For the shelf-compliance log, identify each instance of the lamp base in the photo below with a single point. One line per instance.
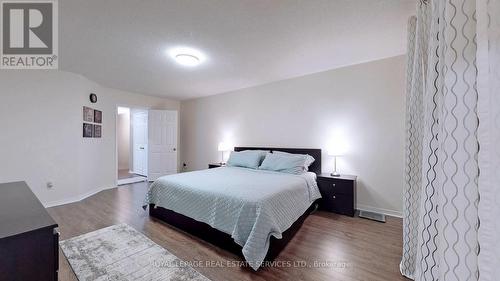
(335, 174)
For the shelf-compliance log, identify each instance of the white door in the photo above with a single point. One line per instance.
(139, 120)
(162, 131)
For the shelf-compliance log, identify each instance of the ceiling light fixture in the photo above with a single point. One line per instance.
(187, 56)
(187, 59)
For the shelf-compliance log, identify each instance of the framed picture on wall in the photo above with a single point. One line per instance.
(88, 130)
(97, 131)
(88, 114)
(97, 116)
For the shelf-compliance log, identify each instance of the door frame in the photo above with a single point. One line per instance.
(116, 133)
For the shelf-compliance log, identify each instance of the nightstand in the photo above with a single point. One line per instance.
(215, 165)
(339, 193)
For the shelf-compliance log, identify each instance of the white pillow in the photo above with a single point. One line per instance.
(307, 162)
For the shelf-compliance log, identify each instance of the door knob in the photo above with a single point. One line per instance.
(141, 147)
(175, 149)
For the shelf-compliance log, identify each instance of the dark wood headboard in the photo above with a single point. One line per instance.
(314, 152)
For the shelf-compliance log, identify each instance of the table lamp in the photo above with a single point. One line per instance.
(223, 147)
(335, 153)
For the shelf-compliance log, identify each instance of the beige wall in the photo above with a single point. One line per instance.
(41, 137)
(362, 105)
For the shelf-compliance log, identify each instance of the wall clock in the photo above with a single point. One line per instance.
(93, 98)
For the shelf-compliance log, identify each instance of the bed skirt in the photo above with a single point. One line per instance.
(224, 240)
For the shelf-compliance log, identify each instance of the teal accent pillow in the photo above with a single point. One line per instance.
(247, 158)
(308, 158)
(291, 164)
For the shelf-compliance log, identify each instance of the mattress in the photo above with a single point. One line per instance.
(250, 205)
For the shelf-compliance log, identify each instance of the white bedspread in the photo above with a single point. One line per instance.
(250, 205)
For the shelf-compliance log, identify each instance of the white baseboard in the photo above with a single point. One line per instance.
(75, 198)
(386, 212)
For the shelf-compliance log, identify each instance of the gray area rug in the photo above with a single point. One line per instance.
(120, 252)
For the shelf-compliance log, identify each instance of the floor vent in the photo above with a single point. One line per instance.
(372, 216)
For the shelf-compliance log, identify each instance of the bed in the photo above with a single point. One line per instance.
(252, 213)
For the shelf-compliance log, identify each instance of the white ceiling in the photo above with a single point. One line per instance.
(122, 43)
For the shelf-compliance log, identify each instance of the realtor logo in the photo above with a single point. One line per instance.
(29, 35)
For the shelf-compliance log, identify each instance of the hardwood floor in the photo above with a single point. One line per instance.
(333, 247)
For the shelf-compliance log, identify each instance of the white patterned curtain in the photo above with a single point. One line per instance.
(488, 60)
(452, 191)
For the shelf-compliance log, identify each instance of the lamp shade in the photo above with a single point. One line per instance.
(333, 152)
(337, 148)
(223, 146)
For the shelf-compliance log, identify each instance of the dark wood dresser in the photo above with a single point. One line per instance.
(339, 194)
(29, 240)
